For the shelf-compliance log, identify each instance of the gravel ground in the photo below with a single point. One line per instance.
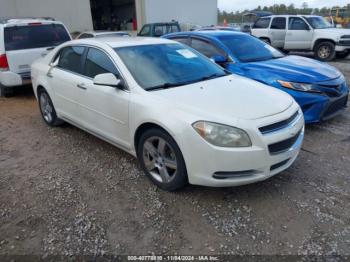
(65, 192)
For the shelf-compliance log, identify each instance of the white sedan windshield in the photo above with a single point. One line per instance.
(167, 65)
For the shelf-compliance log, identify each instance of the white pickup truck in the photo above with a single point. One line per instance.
(304, 33)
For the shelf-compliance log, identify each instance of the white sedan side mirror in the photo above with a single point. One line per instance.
(108, 79)
(54, 63)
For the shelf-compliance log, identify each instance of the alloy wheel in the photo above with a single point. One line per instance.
(159, 159)
(46, 108)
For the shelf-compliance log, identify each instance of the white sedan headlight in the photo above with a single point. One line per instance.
(222, 135)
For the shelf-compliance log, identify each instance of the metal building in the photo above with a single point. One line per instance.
(81, 15)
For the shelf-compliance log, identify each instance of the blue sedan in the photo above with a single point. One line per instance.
(320, 89)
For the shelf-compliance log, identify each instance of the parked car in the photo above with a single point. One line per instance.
(304, 33)
(246, 28)
(93, 34)
(320, 89)
(23, 40)
(159, 29)
(235, 26)
(250, 17)
(184, 117)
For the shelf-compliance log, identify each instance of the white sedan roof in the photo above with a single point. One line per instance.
(115, 42)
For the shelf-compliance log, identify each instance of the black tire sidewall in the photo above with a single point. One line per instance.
(343, 54)
(54, 115)
(331, 46)
(266, 40)
(5, 91)
(286, 52)
(180, 179)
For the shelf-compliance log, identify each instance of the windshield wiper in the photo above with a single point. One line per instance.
(278, 57)
(259, 59)
(164, 86)
(205, 78)
(227, 72)
(171, 85)
(211, 77)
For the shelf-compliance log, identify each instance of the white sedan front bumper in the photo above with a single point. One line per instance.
(208, 165)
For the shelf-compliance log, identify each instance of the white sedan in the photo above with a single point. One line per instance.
(99, 34)
(182, 116)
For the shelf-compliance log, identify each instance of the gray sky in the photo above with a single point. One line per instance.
(239, 5)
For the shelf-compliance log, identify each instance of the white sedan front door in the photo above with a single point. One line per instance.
(104, 110)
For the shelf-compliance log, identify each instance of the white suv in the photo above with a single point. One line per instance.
(304, 33)
(23, 40)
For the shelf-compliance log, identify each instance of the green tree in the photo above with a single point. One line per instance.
(283, 9)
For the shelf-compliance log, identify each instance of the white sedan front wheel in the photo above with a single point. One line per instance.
(162, 160)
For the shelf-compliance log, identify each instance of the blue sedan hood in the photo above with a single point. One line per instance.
(293, 68)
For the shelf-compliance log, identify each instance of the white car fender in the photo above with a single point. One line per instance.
(328, 35)
(170, 124)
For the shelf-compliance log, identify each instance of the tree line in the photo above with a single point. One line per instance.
(236, 17)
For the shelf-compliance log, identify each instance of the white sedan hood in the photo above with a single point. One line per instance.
(231, 96)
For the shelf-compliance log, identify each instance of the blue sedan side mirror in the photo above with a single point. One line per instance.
(219, 59)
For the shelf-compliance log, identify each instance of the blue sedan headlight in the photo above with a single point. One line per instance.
(298, 86)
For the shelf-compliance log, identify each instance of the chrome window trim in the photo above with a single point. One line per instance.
(127, 89)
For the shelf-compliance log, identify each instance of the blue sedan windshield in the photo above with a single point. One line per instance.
(249, 49)
(167, 65)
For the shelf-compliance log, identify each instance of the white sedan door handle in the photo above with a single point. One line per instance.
(81, 86)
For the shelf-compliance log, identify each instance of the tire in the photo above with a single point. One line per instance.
(47, 109)
(286, 52)
(6, 91)
(161, 160)
(266, 40)
(325, 51)
(343, 54)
